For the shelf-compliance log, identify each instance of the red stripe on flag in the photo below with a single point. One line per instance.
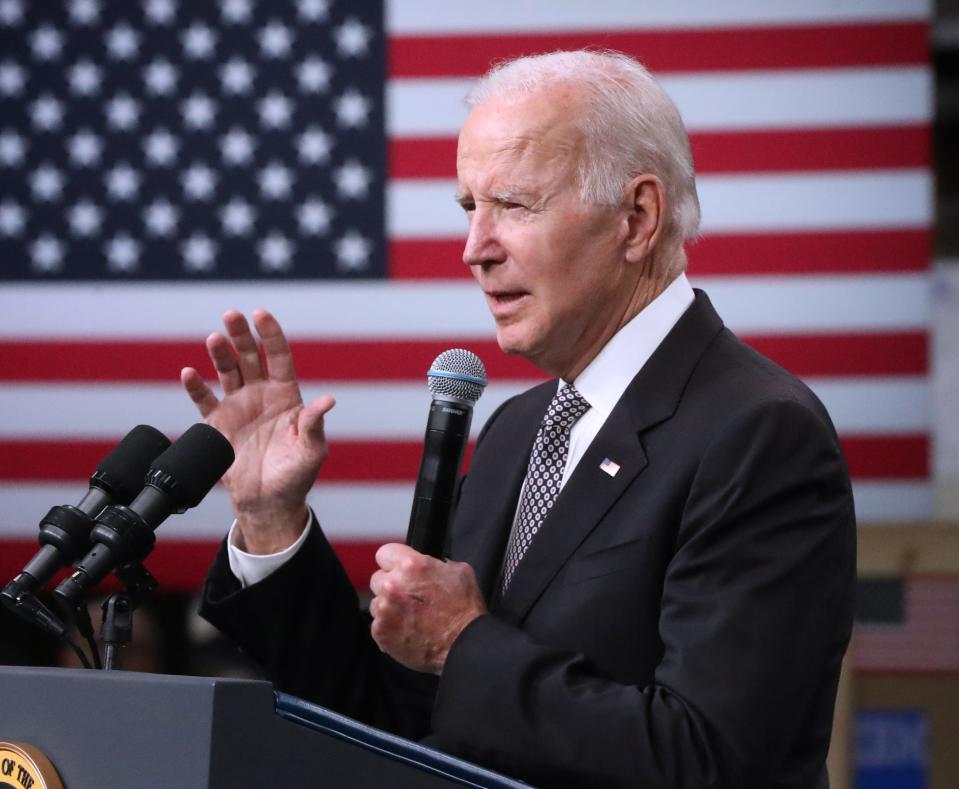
(879, 456)
(889, 353)
(678, 50)
(716, 254)
(728, 152)
(904, 353)
(887, 457)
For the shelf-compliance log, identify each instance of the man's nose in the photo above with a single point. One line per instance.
(482, 243)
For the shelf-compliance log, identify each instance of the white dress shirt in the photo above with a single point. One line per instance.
(602, 383)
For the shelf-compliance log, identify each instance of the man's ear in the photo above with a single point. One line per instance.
(646, 212)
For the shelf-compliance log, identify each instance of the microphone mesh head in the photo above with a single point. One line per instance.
(457, 374)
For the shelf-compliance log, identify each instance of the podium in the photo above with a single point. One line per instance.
(122, 729)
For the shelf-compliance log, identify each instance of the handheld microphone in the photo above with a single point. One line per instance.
(65, 530)
(456, 378)
(177, 480)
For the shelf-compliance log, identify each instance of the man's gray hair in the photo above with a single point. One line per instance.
(631, 125)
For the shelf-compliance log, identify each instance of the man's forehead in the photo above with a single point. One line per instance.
(510, 132)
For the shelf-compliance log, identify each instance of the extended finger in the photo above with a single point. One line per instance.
(310, 421)
(279, 358)
(199, 392)
(247, 354)
(224, 362)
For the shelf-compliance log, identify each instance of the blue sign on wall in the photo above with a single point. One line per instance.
(892, 749)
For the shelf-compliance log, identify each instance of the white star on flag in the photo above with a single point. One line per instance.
(275, 110)
(123, 253)
(85, 218)
(159, 12)
(236, 147)
(12, 78)
(12, 218)
(46, 254)
(199, 252)
(276, 40)
(352, 251)
(314, 75)
(123, 182)
(84, 78)
(84, 148)
(160, 77)
(352, 38)
(161, 218)
(123, 112)
(160, 147)
(352, 179)
(237, 217)
(199, 42)
(46, 183)
(237, 76)
(314, 217)
(275, 181)
(84, 12)
(12, 148)
(198, 181)
(123, 42)
(46, 43)
(352, 109)
(275, 252)
(46, 113)
(314, 146)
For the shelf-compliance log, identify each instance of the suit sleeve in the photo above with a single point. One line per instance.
(303, 624)
(755, 616)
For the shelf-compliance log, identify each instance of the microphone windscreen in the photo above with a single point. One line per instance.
(194, 463)
(457, 374)
(121, 472)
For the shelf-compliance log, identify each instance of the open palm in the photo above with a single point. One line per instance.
(279, 441)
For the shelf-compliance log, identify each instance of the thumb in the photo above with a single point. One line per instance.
(310, 421)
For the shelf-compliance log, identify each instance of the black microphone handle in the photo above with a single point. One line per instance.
(447, 431)
(65, 534)
(122, 535)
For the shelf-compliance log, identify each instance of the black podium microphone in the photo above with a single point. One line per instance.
(177, 480)
(456, 379)
(65, 530)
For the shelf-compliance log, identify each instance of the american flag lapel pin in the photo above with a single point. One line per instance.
(611, 467)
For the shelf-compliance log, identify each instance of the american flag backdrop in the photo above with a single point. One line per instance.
(164, 160)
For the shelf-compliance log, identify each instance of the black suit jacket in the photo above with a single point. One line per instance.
(678, 624)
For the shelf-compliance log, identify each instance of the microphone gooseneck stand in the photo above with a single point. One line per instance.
(117, 628)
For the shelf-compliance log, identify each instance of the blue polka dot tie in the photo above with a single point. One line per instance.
(544, 474)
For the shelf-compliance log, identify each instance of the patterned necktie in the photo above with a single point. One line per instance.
(544, 474)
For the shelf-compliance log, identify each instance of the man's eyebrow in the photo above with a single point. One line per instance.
(462, 197)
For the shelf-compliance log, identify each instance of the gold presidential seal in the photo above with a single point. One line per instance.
(24, 767)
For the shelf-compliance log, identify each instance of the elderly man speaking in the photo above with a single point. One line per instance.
(652, 557)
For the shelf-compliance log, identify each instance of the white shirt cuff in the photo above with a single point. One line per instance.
(251, 568)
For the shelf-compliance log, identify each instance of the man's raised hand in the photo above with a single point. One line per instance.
(279, 441)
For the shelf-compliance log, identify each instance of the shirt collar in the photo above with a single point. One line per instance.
(605, 378)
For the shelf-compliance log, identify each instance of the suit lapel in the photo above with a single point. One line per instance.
(590, 492)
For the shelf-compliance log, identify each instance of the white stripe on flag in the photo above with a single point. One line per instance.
(440, 16)
(394, 410)
(370, 511)
(780, 201)
(735, 101)
(377, 310)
